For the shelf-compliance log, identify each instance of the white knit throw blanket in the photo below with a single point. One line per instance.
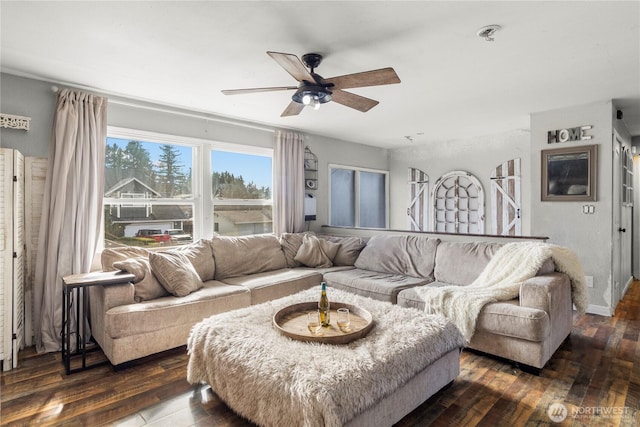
(510, 266)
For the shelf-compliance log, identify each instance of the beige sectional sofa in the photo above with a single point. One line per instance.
(130, 321)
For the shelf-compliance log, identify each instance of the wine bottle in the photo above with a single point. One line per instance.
(323, 306)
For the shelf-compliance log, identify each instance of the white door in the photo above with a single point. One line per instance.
(418, 200)
(506, 200)
(616, 256)
(622, 219)
(621, 256)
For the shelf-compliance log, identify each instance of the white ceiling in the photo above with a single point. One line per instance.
(548, 55)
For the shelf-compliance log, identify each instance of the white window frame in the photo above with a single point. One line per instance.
(357, 171)
(201, 189)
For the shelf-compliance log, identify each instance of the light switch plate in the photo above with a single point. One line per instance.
(588, 281)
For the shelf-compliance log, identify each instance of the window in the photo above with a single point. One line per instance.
(154, 183)
(358, 197)
(241, 191)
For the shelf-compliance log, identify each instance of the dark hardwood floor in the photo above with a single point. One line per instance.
(595, 375)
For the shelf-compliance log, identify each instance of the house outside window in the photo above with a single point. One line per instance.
(163, 190)
(241, 192)
(358, 197)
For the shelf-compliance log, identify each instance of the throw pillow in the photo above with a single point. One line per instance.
(316, 253)
(146, 286)
(175, 272)
(201, 257)
(111, 255)
(291, 243)
(350, 248)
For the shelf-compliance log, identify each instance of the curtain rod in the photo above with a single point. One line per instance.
(151, 106)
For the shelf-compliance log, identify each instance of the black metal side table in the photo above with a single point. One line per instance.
(76, 286)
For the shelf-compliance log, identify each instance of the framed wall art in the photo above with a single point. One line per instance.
(569, 174)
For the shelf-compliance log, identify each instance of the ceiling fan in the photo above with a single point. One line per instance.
(314, 90)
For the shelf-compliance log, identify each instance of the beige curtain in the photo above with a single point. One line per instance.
(72, 207)
(288, 192)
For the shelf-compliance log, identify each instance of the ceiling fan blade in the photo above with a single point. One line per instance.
(383, 76)
(352, 100)
(292, 65)
(257, 89)
(293, 109)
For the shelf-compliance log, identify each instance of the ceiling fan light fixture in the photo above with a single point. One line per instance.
(313, 90)
(312, 96)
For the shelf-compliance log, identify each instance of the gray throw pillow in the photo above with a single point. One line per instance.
(146, 286)
(201, 257)
(316, 253)
(175, 272)
(112, 255)
(291, 243)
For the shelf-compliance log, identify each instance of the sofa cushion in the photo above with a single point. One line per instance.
(201, 257)
(175, 272)
(405, 255)
(505, 318)
(316, 252)
(459, 263)
(146, 285)
(270, 285)
(372, 284)
(239, 256)
(111, 255)
(164, 314)
(350, 248)
(508, 318)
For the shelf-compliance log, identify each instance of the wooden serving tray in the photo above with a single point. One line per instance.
(292, 322)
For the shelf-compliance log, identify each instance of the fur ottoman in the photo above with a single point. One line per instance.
(274, 381)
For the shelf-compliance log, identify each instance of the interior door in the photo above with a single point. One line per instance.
(616, 257)
(622, 218)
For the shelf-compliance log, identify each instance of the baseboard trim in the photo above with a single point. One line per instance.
(626, 287)
(601, 310)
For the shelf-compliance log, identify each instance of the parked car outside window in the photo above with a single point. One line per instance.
(155, 234)
(178, 237)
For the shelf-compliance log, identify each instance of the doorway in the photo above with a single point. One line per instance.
(622, 220)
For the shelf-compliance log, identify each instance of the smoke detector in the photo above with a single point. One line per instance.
(488, 32)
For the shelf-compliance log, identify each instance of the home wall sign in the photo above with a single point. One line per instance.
(569, 134)
(14, 122)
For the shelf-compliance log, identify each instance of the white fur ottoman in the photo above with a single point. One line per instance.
(274, 381)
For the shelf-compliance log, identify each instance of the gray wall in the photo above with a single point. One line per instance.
(339, 152)
(589, 235)
(479, 156)
(31, 98)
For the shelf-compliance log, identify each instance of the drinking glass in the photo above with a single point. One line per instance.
(343, 319)
(313, 322)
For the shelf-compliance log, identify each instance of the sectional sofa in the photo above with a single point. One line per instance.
(176, 288)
